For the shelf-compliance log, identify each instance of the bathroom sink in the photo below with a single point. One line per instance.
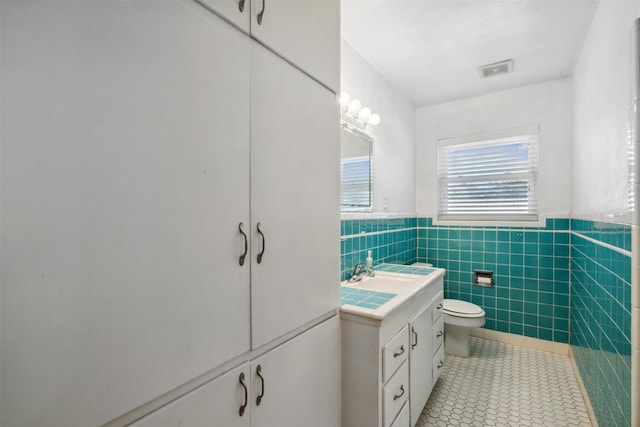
(397, 290)
(386, 283)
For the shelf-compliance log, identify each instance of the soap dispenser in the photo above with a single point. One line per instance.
(370, 272)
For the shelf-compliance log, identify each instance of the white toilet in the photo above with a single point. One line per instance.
(459, 318)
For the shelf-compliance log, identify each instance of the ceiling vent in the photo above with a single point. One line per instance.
(497, 68)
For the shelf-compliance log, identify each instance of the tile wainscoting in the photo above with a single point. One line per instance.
(530, 267)
(601, 316)
(567, 282)
(391, 240)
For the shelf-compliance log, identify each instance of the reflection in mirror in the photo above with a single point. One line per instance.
(356, 170)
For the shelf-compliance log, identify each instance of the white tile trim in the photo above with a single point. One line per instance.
(583, 390)
(601, 243)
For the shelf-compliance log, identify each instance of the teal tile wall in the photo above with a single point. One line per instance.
(531, 273)
(392, 240)
(601, 317)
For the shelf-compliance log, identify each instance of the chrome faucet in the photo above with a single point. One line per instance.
(358, 272)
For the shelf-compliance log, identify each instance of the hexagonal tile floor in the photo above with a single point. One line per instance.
(505, 385)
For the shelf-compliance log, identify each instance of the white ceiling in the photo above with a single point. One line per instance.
(430, 49)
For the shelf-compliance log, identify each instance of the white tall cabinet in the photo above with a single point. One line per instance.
(294, 183)
(287, 392)
(305, 32)
(140, 140)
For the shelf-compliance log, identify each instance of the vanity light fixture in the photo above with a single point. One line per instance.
(352, 110)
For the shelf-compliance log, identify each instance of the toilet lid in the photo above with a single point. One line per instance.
(462, 307)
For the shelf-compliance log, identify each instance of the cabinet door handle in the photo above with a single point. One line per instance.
(262, 251)
(439, 334)
(261, 395)
(400, 352)
(398, 396)
(261, 13)
(441, 364)
(415, 334)
(439, 307)
(246, 244)
(246, 395)
(241, 6)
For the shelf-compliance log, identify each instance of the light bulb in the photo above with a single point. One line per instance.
(365, 114)
(374, 120)
(344, 101)
(354, 107)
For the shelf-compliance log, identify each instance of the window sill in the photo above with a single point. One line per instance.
(540, 222)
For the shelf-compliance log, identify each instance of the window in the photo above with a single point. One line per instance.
(490, 179)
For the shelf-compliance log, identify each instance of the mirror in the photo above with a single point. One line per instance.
(356, 170)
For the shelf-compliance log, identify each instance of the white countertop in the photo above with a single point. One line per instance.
(403, 285)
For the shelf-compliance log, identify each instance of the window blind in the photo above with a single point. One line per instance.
(355, 183)
(489, 180)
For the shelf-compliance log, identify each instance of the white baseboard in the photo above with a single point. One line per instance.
(522, 341)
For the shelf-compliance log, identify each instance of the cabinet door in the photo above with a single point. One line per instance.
(294, 198)
(125, 175)
(420, 362)
(235, 11)
(306, 32)
(300, 382)
(219, 402)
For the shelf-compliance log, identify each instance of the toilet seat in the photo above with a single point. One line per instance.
(457, 308)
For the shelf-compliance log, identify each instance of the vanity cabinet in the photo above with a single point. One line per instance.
(133, 165)
(305, 32)
(274, 389)
(421, 359)
(388, 364)
(438, 337)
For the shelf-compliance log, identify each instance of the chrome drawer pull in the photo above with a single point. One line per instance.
(400, 352)
(398, 396)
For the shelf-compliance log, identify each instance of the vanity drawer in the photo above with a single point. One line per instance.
(438, 334)
(394, 353)
(395, 394)
(402, 420)
(437, 304)
(438, 363)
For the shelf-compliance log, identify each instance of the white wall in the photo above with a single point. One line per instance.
(393, 138)
(602, 100)
(546, 104)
